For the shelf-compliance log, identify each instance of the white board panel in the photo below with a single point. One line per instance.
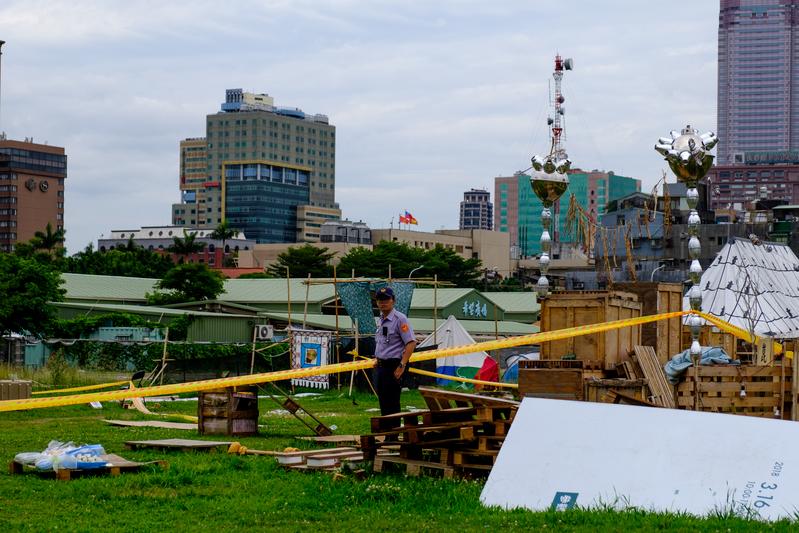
(566, 453)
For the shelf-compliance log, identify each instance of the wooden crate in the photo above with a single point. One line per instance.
(14, 389)
(596, 390)
(712, 336)
(578, 308)
(657, 298)
(230, 411)
(719, 387)
(554, 383)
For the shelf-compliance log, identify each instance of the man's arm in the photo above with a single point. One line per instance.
(406, 355)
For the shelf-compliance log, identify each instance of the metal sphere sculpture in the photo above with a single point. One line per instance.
(687, 155)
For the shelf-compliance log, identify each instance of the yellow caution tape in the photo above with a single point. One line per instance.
(84, 388)
(252, 379)
(464, 380)
(741, 333)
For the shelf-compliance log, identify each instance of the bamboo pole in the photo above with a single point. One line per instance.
(496, 324)
(288, 294)
(163, 355)
(352, 374)
(305, 311)
(252, 354)
(335, 300)
(435, 309)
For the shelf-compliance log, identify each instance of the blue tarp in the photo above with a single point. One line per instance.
(710, 356)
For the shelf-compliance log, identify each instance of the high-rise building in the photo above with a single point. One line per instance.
(31, 190)
(193, 179)
(758, 80)
(758, 104)
(519, 209)
(477, 211)
(251, 134)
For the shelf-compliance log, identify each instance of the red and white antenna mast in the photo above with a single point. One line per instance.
(558, 160)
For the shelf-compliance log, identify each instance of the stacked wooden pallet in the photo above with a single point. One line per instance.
(461, 439)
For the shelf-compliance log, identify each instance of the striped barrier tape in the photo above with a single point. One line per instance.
(252, 379)
(84, 388)
(463, 380)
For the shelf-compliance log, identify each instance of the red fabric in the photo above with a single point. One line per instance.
(488, 372)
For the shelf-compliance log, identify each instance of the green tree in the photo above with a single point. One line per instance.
(223, 232)
(27, 286)
(48, 239)
(186, 246)
(188, 282)
(449, 266)
(301, 261)
(130, 261)
(375, 263)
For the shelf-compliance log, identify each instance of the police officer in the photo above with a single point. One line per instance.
(394, 345)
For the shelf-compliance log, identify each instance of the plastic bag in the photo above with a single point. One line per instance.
(64, 455)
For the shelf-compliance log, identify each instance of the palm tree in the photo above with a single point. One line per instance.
(187, 245)
(223, 232)
(48, 239)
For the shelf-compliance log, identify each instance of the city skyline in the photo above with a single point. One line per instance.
(428, 100)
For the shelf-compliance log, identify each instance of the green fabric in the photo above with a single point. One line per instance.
(356, 297)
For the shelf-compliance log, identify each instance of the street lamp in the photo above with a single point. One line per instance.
(414, 270)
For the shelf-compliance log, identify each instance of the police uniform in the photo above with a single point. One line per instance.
(394, 332)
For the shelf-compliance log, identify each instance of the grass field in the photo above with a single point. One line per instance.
(218, 492)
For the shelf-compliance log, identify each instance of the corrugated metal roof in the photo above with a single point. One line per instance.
(423, 298)
(143, 310)
(420, 325)
(274, 290)
(514, 302)
(90, 287)
(118, 288)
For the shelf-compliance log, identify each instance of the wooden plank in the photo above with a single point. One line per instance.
(152, 424)
(662, 391)
(177, 444)
(115, 465)
(474, 400)
(551, 383)
(412, 467)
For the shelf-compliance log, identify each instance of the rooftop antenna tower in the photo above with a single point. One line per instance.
(1, 69)
(549, 181)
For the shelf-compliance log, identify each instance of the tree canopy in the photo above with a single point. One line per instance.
(131, 260)
(188, 282)
(187, 245)
(27, 285)
(404, 260)
(302, 261)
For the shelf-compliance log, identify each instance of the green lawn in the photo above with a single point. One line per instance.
(218, 492)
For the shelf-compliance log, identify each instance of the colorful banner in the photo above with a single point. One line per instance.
(311, 349)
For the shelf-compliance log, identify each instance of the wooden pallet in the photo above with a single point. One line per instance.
(768, 390)
(439, 399)
(116, 465)
(413, 467)
(662, 393)
(426, 417)
(183, 445)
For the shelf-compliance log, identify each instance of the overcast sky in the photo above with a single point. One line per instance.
(429, 98)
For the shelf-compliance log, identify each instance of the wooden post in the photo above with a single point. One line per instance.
(435, 309)
(252, 354)
(163, 356)
(794, 385)
(496, 324)
(305, 311)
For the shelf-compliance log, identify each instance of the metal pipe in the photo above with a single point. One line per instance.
(652, 277)
(414, 270)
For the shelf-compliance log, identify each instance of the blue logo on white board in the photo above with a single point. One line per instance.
(564, 501)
